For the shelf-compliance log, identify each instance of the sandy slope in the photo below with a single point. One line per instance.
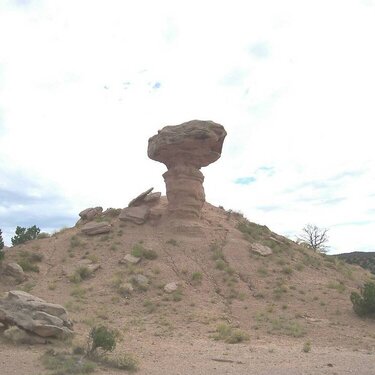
(280, 301)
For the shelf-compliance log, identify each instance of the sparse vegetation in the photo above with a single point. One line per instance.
(100, 338)
(66, 363)
(229, 334)
(81, 273)
(140, 252)
(27, 261)
(364, 303)
(196, 277)
(306, 347)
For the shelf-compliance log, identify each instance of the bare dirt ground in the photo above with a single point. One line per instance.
(199, 357)
(281, 301)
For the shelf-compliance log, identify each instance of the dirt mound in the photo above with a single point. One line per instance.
(227, 290)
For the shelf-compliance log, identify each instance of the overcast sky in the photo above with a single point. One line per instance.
(84, 84)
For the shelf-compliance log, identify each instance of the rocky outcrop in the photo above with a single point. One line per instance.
(93, 228)
(90, 213)
(34, 315)
(137, 215)
(146, 198)
(184, 149)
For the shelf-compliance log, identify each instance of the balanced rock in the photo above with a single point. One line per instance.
(35, 315)
(184, 149)
(137, 215)
(90, 213)
(93, 228)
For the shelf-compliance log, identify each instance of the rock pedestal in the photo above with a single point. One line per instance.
(184, 149)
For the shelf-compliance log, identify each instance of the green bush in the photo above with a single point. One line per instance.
(229, 335)
(103, 338)
(23, 235)
(364, 303)
(140, 252)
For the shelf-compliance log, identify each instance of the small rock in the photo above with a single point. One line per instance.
(141, 280)
(170, 287)
(15, 270)
(125, 289)
(93, 228)
(137, 215)
(139, 200)
(19, 336)
(128, 258)
(93, 267)
(261, 249)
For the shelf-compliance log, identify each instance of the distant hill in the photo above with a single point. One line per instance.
(363, 259)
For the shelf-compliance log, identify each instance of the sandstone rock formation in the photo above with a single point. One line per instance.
(137, 215)
(34, 315)
(137, 201)
(184, 149)
(90, 213)
(93, 228)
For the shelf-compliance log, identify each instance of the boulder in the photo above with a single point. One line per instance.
(15, 270)
(137, 201)
(128, 258)
(261, 249)
(137, 215)
(94, 228)
(33, 314)
(171, 287)
(184, 149)
(140, 280)
(90, 213)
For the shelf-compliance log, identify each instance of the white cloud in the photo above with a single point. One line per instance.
(291, 81)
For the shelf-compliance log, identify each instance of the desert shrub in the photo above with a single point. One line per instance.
(196, 277)
(140, 252)
(123, 362)
(66, 363)
(43, 235)
(81, 273)
(306, 347)
(23, 235)
(364, 303)
(75, 242)
(230, 335)
(100, 337)
(27, 265)
(2, 255)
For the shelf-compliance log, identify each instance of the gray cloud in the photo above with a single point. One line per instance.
(24, 202)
